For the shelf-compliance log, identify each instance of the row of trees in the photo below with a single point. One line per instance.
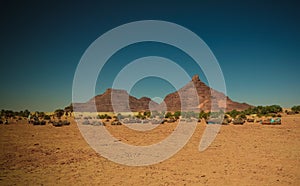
(259, 111)
(10, 113)
(19, 114)
(66, 111)
(157, 114)
(271, 110)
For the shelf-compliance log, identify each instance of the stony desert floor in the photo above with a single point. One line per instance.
(250, 154)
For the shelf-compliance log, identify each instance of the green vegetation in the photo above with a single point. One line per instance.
(140, 116)
(204, 115)
(168, 115)
(69, 108)
(147, 114)
(10, 113)
(104, 116)
(177, 114)
(272, 110)
(296, 109)
(59, 112)
(39, 114)
(47, 117)
(259, 111)
(242, 116)
(234, 113)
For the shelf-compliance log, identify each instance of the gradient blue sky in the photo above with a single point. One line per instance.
(257, 44)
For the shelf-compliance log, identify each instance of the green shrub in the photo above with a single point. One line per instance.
(296, 109)
(47, 117)
(243, 116)
(234, 113)
(168, 115)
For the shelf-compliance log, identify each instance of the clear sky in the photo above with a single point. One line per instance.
(257, 44)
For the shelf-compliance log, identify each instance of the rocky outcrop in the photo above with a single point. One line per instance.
(208, 98)
(194, 96)
(121, 102)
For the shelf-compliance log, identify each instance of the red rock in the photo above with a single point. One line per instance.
(184, 99)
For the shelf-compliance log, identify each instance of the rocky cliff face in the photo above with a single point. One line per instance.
(194, 96)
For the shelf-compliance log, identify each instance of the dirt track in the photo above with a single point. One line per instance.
(251, 154)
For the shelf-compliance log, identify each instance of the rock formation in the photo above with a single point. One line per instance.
(184, 99)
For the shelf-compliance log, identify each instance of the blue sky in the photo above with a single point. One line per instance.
(257, 45)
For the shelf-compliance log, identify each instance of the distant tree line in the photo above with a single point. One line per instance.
(271, 110)
(10, 113)
(296, 109)
(66, 111)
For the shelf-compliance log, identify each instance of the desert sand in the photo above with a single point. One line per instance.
(249, 154)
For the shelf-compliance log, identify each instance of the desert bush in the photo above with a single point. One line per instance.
(41, 114)
(234, 113)
(250, 120)
(259, 110)
(147, 114)
(168, 115)
(120, 116)
(291, 113)
(116, 123)
(243, 116)
(59, 112)
(238, 121)
(26, 113)
(47, 117)
(203, 115)
(296, 109)
(69, 108)
(177, 114)
(102, 116)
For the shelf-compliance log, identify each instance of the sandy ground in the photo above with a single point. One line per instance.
(251, 154)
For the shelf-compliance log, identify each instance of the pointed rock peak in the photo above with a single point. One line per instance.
(195, 78)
